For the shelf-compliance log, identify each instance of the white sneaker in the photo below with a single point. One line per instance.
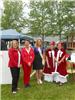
(40, 81)
(18, 88)
(60, 84)
(14, 92)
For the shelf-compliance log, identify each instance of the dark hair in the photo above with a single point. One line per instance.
(27, 40)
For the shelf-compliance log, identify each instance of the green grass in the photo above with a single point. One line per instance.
(46, 91)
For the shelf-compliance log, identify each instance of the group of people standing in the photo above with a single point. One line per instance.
(50, 63)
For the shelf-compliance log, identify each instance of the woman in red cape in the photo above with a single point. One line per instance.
(60, 74)
(50, 63)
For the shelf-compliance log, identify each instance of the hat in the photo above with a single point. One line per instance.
(52, 43)
(60, 43)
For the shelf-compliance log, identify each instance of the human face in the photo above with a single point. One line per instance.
(27, 44)
(15, 44)
(39, 42)
(52, 47)
(59, 46)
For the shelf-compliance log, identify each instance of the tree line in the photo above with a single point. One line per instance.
(46, 17)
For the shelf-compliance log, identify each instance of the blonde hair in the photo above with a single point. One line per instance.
(10, 44)
(15, 41)
(37, 43)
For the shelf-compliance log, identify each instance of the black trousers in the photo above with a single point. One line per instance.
(15, 72)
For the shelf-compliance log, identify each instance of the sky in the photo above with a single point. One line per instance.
(26, 10)
(26, 1)
(1, 6)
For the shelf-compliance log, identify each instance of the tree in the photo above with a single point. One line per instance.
(49, 17)
(13, 15)
(39, 18)
(69, 19)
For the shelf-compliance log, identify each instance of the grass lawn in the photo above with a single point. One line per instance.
(46, 91)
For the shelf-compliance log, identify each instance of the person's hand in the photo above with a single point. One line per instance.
(47, 63)
(48, 66)
(29, 64)
(55, 60)
(20, 66)
(59, 62)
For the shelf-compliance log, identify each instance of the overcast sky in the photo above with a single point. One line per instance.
(26, 10)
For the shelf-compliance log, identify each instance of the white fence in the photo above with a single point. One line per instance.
(5, 74)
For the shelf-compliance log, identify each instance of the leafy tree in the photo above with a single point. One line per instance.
(52, 17)
(39, 21)
(13, 15)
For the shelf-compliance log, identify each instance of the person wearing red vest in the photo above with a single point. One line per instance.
(14, 64)
(27, 61)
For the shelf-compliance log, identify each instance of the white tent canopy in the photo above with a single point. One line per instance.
(9, 34)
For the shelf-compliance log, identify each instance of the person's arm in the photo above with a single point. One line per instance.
(32, 59)
(47, 62)
(63, 57)
(44, 55)
(61, 60)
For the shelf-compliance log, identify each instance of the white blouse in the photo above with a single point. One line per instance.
(19, 55)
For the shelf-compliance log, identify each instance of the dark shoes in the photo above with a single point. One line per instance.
(14, 92)
(27, 85)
